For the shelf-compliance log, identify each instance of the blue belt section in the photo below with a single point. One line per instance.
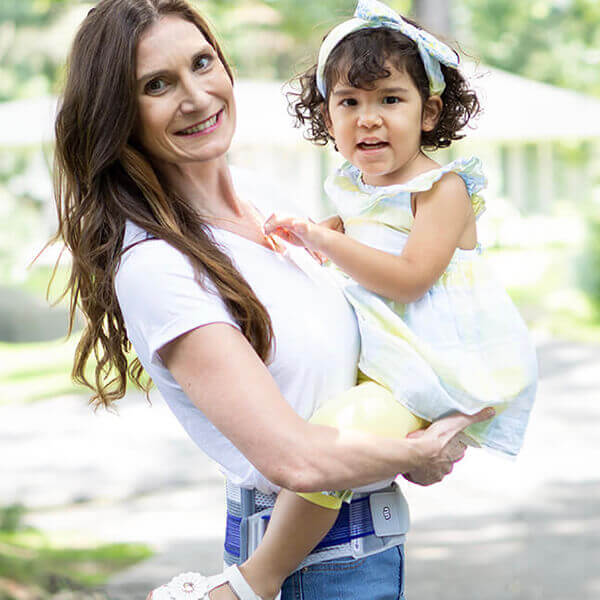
(232, 535)
(354, 521)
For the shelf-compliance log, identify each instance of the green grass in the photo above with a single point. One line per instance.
(40, 562)
(37, 371)
(38, 278)
(40, 371)
(564, 313)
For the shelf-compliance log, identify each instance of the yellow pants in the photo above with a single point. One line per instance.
(368, 407)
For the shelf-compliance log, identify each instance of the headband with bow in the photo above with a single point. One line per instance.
(371, 14)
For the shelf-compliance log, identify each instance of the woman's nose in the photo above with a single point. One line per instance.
(369, 118)
(194, 97)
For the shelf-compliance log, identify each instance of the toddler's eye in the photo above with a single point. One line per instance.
(203, 62)
(155, 86)
(391, 100)
(348, 102)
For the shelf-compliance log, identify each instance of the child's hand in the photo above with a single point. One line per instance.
(298, 232)
(291, 229)
(334, 223)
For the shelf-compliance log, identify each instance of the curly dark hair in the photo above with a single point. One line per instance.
(361, 59)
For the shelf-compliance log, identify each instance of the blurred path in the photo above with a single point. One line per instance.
(493, 530)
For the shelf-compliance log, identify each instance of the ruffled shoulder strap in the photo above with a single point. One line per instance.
(346, 191)
(351, 196)
(469, 169)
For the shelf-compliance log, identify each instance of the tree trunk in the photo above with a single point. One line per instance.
(434, 15)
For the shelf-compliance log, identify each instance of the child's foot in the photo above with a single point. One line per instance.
(229, 585)
(222, 593)
(226, 593)
(264, 585)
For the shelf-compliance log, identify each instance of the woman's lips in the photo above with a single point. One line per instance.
(203, 127)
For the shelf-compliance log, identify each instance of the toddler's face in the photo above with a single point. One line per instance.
(379, 130)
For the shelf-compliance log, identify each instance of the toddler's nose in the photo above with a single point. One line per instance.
(369, 119)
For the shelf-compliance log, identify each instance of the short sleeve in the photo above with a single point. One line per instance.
(160, 297)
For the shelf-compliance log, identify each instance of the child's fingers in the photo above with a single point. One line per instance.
(287, 235)
(275, 222)
(293, 224)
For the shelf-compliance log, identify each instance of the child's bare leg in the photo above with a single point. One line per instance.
(295, 528)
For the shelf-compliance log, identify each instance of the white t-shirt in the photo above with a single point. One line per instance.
(316, 334)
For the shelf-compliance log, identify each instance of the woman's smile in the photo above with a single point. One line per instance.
(203, 127)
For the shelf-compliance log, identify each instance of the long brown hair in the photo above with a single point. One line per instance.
(103, 179)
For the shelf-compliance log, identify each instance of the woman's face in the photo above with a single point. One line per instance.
(186, 110)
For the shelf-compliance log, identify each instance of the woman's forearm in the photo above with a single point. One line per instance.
(338, 459)
(221, 374)
(332, 459)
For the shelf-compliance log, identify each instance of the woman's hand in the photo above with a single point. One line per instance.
(441, 446)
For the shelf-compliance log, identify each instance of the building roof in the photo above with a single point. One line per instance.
(520, 109)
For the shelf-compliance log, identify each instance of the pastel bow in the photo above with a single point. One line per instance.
(371, 13)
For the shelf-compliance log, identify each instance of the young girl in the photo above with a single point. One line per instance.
(438, 334)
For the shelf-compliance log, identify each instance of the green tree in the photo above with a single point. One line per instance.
(30, 58)
(555, 41)
(276, 38)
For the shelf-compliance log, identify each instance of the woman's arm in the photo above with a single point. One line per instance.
(442, 216)
(222, 375)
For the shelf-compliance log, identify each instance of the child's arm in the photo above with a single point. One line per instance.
(442, 216)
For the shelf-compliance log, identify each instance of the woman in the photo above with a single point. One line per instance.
(243, 338)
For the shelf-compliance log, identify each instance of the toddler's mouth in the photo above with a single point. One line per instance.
(372, 145)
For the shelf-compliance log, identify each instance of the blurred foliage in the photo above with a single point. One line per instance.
(277, 38)
(588, 265)
(555, 41)
(11, 517)
(548, 297)
(36, 565)
(19, 208)
(41, 370)
(32, 47)
(37, 371)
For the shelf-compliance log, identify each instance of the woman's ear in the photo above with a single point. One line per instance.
(432, 110)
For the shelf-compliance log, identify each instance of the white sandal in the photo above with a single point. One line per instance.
(194, 586)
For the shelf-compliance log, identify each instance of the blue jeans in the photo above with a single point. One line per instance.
(376, 577)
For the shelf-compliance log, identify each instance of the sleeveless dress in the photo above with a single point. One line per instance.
(461, 347)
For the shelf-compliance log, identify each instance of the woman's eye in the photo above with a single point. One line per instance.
(155, 86)
(391, 100)
(202, 62)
